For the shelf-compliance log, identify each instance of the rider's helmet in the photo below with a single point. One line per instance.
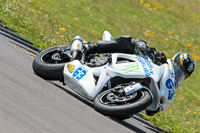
(183, 66)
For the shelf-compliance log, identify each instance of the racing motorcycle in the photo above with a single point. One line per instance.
(119, 84)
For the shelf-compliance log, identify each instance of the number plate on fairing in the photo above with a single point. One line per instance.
(80, 79)
(79, 73)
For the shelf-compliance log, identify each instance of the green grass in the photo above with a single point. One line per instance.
(170, 26)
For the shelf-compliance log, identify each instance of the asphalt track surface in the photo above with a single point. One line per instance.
(30, 104)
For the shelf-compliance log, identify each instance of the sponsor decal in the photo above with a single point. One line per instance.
(70, 68)
(171, 91)
(131, 67)
(146, 66)
(79, 73)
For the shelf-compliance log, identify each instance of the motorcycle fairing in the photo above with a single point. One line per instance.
(162, 84)
(82, 81)
(162, 88)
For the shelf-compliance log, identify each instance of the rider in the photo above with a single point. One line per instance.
(125, 44)
(183, 63)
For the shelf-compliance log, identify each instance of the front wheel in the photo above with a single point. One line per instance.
(115, 104)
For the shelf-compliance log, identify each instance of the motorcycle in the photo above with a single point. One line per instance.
(119, 84)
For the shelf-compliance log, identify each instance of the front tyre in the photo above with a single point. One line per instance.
(49, 63)
(115, 104)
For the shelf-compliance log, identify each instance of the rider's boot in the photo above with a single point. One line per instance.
(107, 36)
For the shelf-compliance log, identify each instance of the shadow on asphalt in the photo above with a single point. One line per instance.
(132, 127)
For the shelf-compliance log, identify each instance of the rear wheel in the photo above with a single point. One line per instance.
(49, 63)
(116, 104)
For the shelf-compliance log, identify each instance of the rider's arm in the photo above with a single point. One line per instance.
(157, 56)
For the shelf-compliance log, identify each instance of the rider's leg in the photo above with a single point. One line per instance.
(121, 44)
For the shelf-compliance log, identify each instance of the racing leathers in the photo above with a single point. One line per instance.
(125, 44)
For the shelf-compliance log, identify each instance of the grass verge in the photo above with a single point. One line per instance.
(170, 26)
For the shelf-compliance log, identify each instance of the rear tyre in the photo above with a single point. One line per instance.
(114, 104)
(49, 63)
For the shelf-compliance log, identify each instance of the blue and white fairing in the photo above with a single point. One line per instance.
(162, 86)
(131, 66)
(81, 77)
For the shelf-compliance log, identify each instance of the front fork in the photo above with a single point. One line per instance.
(76, 48)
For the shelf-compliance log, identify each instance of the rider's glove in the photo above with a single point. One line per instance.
(161, 57)
(157, 56)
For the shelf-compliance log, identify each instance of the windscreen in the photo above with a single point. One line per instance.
(179, 74)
